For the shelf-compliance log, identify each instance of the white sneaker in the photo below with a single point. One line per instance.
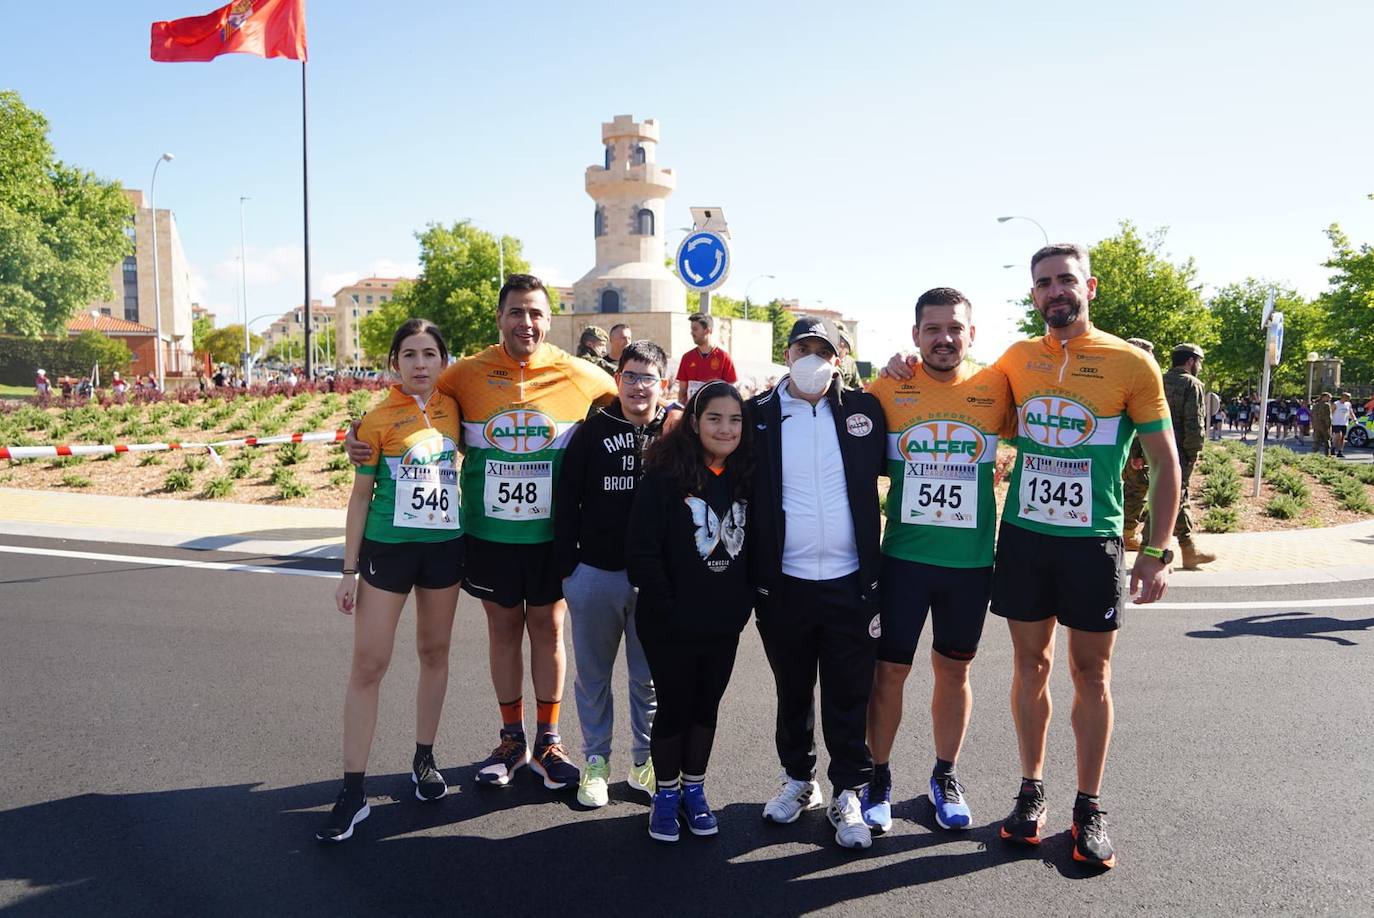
(594, 788)
(847, 816)
(794, 797)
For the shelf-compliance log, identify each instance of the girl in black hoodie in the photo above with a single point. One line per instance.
(687, 551)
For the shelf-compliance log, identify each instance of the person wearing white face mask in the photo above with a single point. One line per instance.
(819, 451)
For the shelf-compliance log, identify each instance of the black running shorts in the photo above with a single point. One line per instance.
(1077, 579)
(397, 567)
(956, 598)
(512, 575)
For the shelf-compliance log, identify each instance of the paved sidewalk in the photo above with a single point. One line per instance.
(248, 528)
(1338, 553)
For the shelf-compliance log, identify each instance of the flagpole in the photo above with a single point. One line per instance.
(305, 210)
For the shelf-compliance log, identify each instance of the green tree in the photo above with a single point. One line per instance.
(225, 344)
(61, 228)
(200, 328)
(91, 348)
(1348, 303)
(1233, 362)
(456, 290)
(1141, 293)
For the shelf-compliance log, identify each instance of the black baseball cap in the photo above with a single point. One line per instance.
(815, 327)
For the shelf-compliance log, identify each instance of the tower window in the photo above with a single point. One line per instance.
(644, 222)
(637, 158)
(610, 301)
(599, 222)
(610, 155)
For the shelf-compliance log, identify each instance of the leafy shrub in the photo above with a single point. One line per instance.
(1290, 483)
(281, 475)
(177, 480)
(149, 459)
(341, 479)
(66, 462)
(1352, 496)
(1283, 507)
(195, 463)
(73, 480)
(217, 488)
(1219, 519)
(292, 453)
(338, 462)
(240, 467)
(288, 488)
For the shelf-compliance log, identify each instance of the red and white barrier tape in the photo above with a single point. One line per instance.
(105, 449)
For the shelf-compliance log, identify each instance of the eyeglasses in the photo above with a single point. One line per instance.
(640, 379)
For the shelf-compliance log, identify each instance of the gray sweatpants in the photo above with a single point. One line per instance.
(601, 605)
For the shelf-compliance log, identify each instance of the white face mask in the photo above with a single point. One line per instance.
(812, 374)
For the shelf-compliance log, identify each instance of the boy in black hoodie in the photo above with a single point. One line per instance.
(596, 487)
(687, 551)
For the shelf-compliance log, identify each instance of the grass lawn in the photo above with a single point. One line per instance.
(16, 391)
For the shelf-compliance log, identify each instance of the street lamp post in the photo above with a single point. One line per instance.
(243, 267)
(157, 278)
(1029, 220)
(749, 286)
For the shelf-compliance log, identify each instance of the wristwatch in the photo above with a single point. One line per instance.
(1163, 555)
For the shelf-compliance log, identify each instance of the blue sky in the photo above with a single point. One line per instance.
(862, 151)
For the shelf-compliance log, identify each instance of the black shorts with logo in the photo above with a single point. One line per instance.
(1077, 579)
(397, 567)
(512, 574)
(956, 599)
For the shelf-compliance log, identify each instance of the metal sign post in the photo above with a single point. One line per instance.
(1273, 351)
(703, 257)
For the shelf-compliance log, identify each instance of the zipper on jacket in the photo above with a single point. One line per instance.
(820, 514)
(424, 408)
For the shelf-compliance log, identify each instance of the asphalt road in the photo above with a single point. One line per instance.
(169, 740)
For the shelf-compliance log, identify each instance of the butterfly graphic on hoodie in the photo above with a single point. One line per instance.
(712, 530)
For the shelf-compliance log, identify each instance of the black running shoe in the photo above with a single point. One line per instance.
(429, 784)
(348, 812)
(1090, 842)
(1027, 817)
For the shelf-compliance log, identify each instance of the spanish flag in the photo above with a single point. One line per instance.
(267, 28)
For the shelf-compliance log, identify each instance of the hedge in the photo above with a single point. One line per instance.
(20, 357)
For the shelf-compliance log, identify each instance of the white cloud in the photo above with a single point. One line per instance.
(264, 267)
(550, 275)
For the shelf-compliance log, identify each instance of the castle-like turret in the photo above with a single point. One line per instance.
(631, 192)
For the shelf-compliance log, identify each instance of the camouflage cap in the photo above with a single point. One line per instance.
(1188, 350)
(844, 333)
(1142, 343)
(594, 331)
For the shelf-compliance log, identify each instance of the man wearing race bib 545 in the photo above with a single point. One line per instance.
(1080, 394)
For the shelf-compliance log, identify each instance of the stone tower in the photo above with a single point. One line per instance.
(631, 192)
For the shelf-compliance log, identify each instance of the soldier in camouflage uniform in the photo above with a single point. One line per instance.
(591, 347)
(849, 369)
(1135, 478)
(1321, 425)
(1187, 405)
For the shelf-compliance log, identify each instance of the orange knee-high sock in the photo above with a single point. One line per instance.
(547, 716)
(513, 715)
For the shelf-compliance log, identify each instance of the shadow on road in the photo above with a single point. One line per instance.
(241, 850)
(1288, 625)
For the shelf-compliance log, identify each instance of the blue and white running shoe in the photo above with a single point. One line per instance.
(876, 800)
(947, 796)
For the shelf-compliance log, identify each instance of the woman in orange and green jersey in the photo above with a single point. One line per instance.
(403, 533)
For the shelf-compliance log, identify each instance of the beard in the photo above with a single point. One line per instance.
(1061, 318)
(942, 358)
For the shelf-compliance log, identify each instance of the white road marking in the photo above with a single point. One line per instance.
(1332, 602)
(164, 562)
